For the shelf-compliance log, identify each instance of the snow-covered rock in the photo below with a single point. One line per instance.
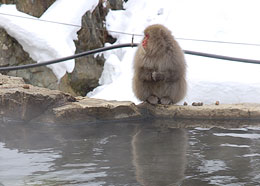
(45, 40)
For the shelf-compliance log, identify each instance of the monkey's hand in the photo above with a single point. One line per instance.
(158, 76)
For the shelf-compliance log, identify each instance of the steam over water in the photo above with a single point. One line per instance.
(134, 154)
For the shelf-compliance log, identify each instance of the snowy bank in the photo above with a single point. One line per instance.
(209, 80)
(44, 40)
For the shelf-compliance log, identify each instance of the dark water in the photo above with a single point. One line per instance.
(127, 154)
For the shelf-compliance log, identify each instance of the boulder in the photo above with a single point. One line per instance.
(25, 102)
(35, 8)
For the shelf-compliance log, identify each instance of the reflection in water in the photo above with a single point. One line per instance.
(133, 154)
(159, 156)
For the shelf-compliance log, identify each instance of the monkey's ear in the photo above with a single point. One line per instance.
(161, 32)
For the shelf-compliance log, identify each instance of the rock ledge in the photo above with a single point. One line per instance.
(20, 101)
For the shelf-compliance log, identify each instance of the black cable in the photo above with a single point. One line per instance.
(125, 45)
(9, 68)
(222, 57)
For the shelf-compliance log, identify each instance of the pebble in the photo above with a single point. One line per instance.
(26, 86)
(197, 104)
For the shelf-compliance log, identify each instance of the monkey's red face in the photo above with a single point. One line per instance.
(145, 40)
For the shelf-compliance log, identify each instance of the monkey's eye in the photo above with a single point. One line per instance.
(147, 36)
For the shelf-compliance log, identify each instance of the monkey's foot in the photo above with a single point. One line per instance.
(166, 101)
(153, 100)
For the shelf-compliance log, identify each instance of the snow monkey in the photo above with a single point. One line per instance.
(159, 68)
